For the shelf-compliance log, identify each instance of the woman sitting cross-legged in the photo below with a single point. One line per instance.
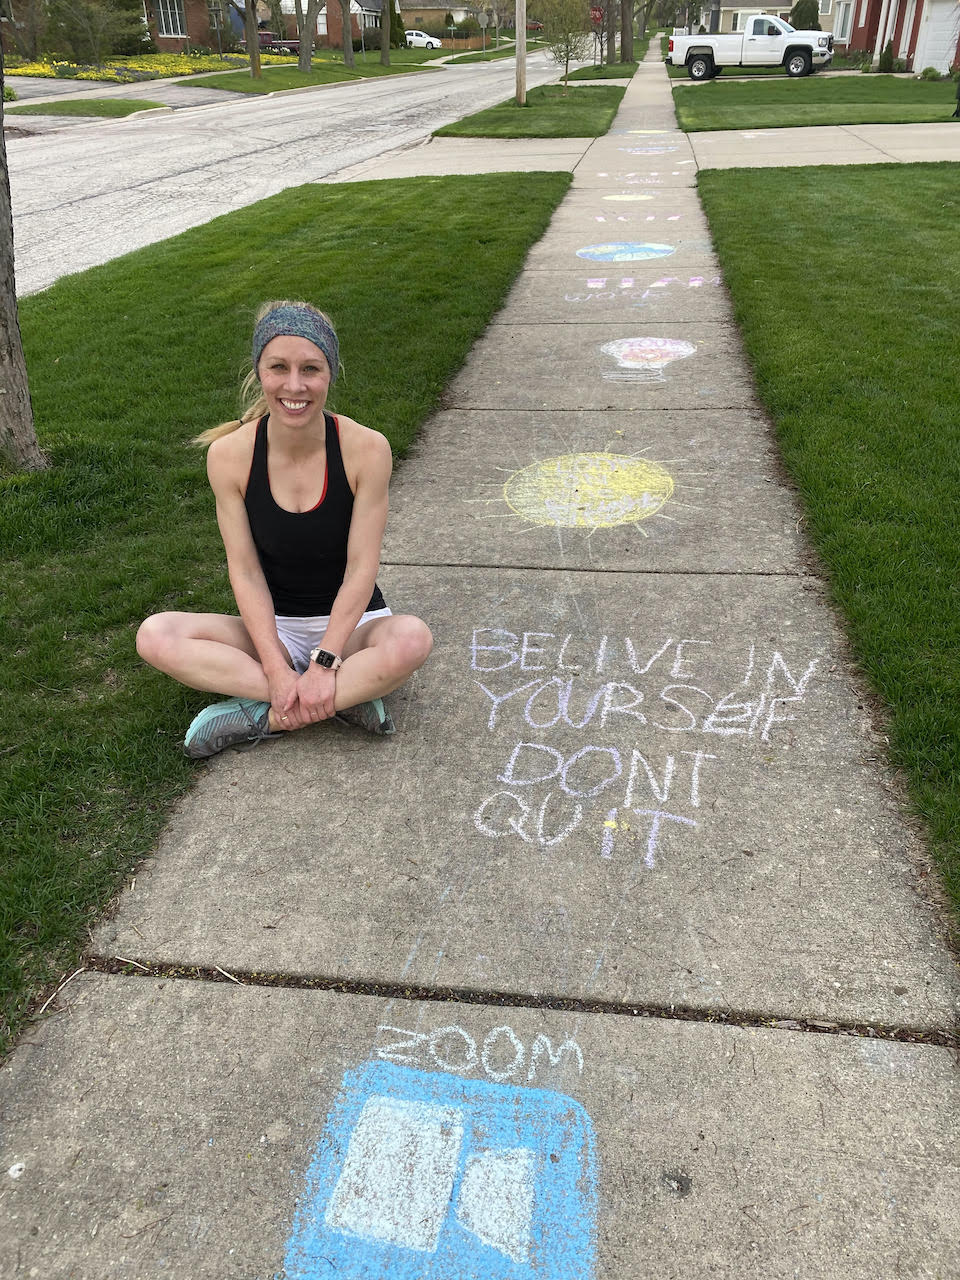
(302, 504)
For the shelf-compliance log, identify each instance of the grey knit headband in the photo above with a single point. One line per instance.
(298, 322)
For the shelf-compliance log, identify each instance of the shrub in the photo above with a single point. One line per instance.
(805, 15)
(931, 73)
(8, 94)
(886, 58)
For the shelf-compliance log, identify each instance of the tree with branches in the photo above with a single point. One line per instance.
(566, 32)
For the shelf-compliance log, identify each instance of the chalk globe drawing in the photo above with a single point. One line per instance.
(588, 490)
(627, 252)
(645, 358)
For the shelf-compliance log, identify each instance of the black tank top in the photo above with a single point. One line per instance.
(303, 554)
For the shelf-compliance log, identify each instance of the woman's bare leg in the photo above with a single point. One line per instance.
(380, 656)
(208, 651)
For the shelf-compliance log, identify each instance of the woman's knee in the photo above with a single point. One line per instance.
(156, 636)
(411, 643)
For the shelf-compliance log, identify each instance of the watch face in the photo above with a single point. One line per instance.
(324, 659)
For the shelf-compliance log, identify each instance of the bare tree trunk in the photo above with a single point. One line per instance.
(626, 30)
(18, 439)
(521, 52)
(298, 9)
(307, 33)
(347, 33)
(386, 26)
(253, 37)
(610, 17)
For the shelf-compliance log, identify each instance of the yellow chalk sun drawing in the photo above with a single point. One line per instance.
(588, 491)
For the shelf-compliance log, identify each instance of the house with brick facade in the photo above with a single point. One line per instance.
(925, 33)
(178, 24)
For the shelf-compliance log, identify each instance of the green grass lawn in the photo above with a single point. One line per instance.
(127, 362)
(277, 79)
(86, 107)
(585, 112)
(606, 71)
(813, 100)
(846, 285)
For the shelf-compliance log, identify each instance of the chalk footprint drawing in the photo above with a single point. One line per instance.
(420, 1174)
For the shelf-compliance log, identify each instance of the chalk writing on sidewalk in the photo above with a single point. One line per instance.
(647, 151)
(597, 289)
(644, 359)
(627, 251)
(501, 1055)
(421, 1174)
(652, 726)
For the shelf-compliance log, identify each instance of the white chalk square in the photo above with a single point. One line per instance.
(399, 1173)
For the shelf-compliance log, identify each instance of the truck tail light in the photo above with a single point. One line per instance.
(670, 45)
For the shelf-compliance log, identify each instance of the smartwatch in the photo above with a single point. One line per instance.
(323, 658)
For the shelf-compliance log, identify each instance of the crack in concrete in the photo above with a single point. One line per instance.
(664, 573)
(943, 1037)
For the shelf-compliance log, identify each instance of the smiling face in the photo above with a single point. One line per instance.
(295, 378)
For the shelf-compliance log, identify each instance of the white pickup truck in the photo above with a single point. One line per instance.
(765, 41)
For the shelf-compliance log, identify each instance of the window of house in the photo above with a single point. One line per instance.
(826, 6)
(862, 15)
(841, 26)
(736, 22)
(170, 19)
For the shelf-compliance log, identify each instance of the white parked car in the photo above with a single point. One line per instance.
(420, 40)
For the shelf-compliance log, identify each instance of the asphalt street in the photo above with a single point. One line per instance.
(83, 196)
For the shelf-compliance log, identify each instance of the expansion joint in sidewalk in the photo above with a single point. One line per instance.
(944, 1037)
(791, 575)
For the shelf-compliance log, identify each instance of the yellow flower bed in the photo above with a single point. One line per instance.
(146, 66)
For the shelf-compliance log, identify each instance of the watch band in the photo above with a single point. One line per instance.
(324, 658)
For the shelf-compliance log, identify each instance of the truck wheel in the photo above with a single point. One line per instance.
(700, 67)
(799, 63)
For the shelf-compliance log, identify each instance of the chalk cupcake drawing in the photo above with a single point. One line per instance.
(625, 252)
(644, 359)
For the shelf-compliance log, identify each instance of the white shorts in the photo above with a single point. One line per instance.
(300, 635)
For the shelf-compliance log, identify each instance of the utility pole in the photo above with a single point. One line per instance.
(521, 53)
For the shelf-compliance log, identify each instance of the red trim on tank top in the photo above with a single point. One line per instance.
(326, 466)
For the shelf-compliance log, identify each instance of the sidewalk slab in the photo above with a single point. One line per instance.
(776, 878)
(714, 504)
(656, 216)
(658, 292)
(307, 1129)
(441, 156)
(565, 252)
(638, 366)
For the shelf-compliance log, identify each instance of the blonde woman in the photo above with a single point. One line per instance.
(301, 504)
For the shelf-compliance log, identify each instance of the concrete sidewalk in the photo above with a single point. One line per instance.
(637, 975)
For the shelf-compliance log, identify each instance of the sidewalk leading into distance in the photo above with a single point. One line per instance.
(637, 977)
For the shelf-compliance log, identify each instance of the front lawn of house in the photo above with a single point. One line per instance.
(813, 100)
(585, 112)
(85, 107)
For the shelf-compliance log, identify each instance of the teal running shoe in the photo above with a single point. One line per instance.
(372, 716)
(227, 724)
